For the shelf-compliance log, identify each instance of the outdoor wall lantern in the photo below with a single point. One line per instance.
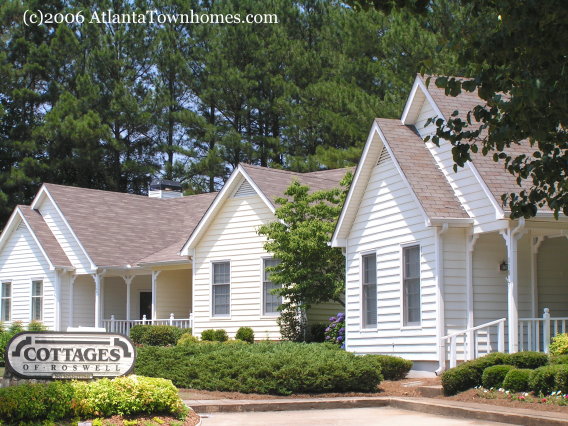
(504, 266)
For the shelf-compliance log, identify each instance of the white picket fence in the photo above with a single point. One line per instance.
(535, 333)
(113, 325)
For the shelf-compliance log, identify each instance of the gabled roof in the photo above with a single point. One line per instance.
(432, 189)
(417, 168)
(269, 184)
(497, 179)
(45, 237)
(118, 229)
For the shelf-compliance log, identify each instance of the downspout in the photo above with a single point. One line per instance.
(441, 317)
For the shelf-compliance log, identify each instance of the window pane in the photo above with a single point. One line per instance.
(412, 262)
(370, 269)
(267, 264)
(370, 298)
(221, 273)
(221, 299)
(37, 288)
(36, 308)
(271, 301)
(6, 289)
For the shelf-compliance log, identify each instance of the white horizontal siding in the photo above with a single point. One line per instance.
(84, 301)
(454, 256)
(466, 186)
(233, 237)
(22, 261)
(388, 218)
(64, 237)
(173, 294)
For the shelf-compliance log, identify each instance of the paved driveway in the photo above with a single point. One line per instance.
(351, 416)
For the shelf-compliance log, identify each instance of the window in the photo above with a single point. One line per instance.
(411, 284)
(221, 289)
(6, 301)
(369, 290)
(37, 300)
(271, 301)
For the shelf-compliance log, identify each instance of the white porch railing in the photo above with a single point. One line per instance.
(113, 325)
(535, 333)
(475, 341)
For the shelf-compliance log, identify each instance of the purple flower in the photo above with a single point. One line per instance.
(341, 315)
(327, 330)
(339, 339)
(326, 337)
(332, 318)
(343, 345)
(342, 330)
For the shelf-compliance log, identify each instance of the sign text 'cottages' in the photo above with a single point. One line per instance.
(47, 355)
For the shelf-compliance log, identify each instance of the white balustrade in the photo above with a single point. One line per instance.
(113, 325)
(535, 333)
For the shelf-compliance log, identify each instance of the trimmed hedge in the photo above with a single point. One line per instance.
(267, 368)
(558, 359)
(63, 400)
(156, 335)
(211, 335)
(246, 334)
(528, 359)
(468, 375)
(187, 338)
(493, 376)
(543, 379)
(393, 367)
(517, 380)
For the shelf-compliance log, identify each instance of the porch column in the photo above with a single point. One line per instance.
(535, 245)
(155, 275)
(471, 239)
(57, 290)
(512, 237)
(98, 299)
(128, 281)
(72, 278)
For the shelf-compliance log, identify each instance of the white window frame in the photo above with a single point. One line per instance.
(263, 312)
(364, 325)
(212, 272)
(32, 297)
(2, 299)
(405, 324)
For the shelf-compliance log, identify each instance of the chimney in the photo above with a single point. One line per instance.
(161, 188)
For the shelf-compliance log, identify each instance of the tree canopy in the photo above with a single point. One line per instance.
(111, 106)
(517, 57)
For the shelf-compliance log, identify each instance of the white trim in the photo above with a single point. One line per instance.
(335, 240)
(211, 315)
(44, 192)
(410, 100)
(225, 193)
(2, 282)
(403, 324)
(263, 314)
(154, 309)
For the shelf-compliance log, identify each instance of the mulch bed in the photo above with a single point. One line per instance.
(192, 419)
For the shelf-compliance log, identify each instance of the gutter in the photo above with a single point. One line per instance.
(441, 317)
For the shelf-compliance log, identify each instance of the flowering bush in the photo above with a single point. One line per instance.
(335, 331)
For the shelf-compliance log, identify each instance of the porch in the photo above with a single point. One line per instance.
(516, 293)
(117, 300)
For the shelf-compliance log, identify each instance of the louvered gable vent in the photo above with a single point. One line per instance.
(383, 157)
(245, 190)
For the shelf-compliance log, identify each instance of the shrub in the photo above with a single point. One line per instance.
(393, 367)
(561, 380)
(528, 359)
(493, 376)
(559, 345)
(292, 324)
(317, 332)
(335, 331)
(517, 380)
(542, 380)
(60, 400)
(211, 335)
(246, 334)
(468, 374)
(187, 338)
(36, 326)
(266, 368)
(155, 335)
(15, 328)
(558, 359)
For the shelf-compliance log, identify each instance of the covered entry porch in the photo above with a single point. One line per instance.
(120, 299)
(516, 290)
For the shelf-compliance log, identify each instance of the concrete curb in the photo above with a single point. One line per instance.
(424, 405)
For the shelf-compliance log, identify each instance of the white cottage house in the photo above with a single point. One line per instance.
(436, 270)
(88, 258)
